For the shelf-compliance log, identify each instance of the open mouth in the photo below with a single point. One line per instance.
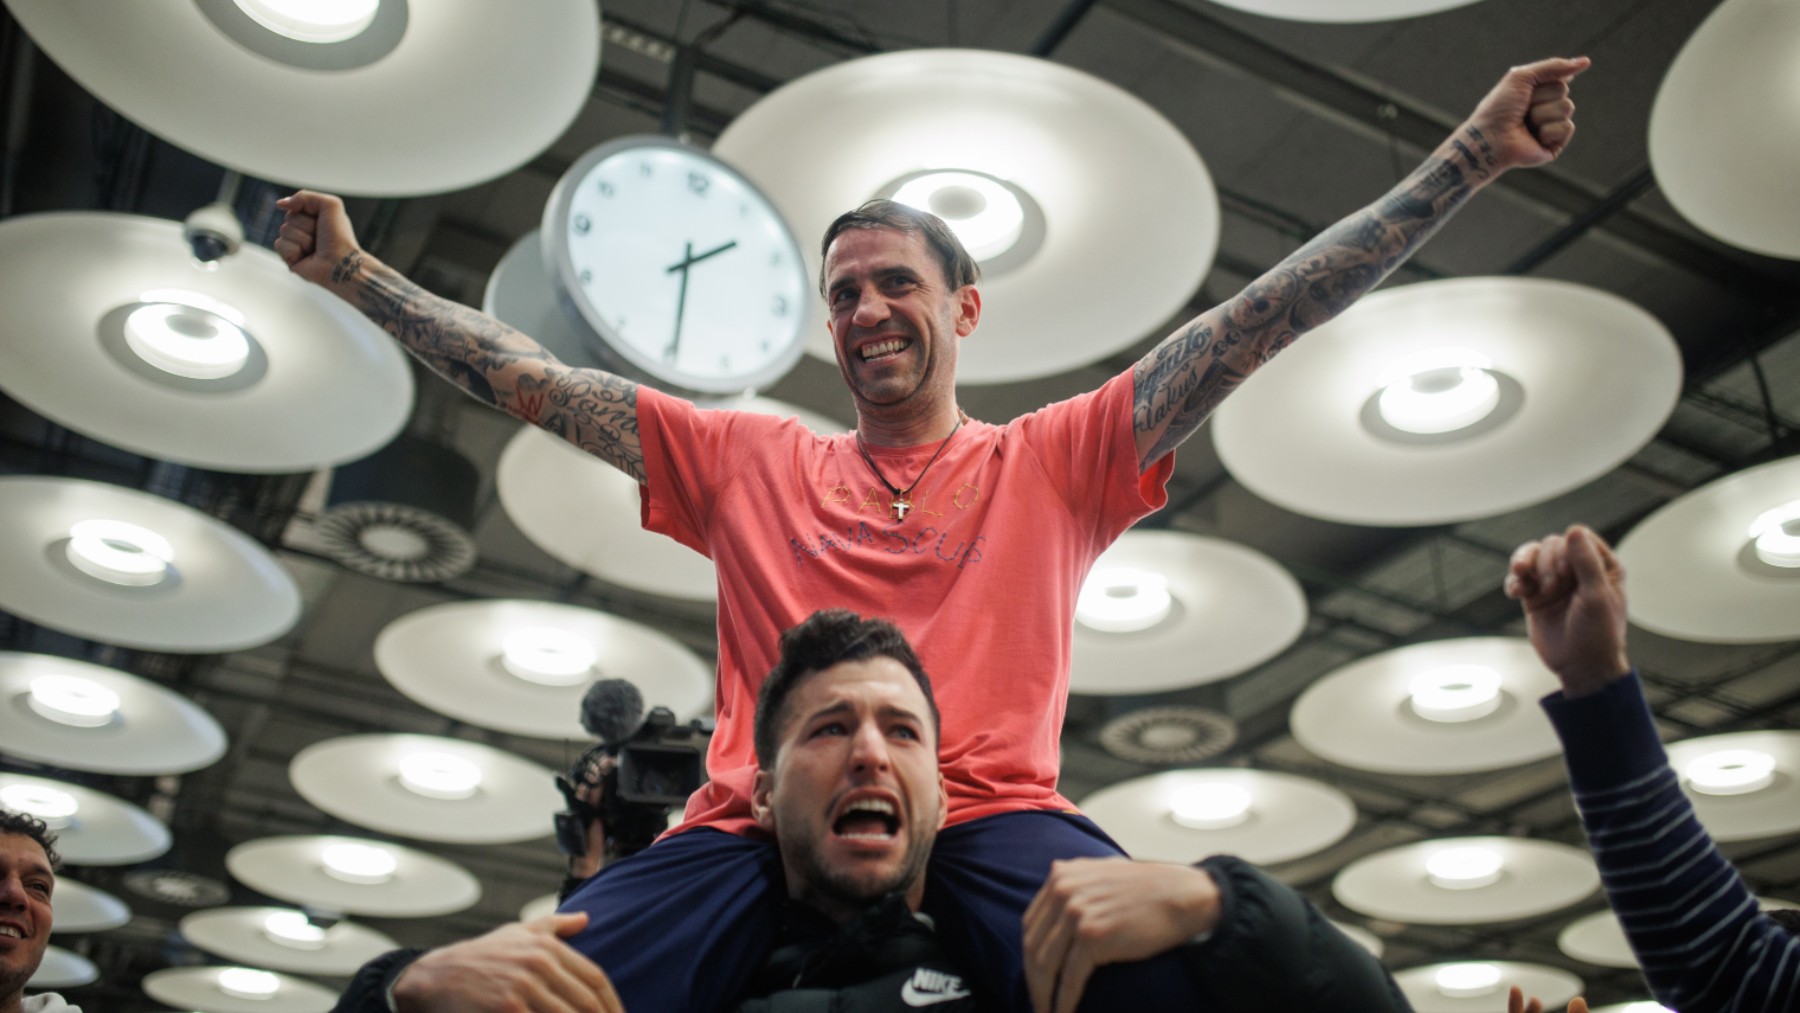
(11, 932)
(884, 349)
(868, 819)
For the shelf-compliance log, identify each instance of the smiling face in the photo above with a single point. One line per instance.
(855, 799)
(895, 323)
(26, 881)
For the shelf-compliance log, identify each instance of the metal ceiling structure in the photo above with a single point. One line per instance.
(1298, 123)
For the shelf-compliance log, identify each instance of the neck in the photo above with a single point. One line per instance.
(14, 1002)
(912, 431)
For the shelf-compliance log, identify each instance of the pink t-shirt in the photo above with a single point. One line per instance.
(982, 575)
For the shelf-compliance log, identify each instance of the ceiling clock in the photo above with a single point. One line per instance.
(683, 270)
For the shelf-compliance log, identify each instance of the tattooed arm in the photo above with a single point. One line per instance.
(590, 408)
(1526, 120)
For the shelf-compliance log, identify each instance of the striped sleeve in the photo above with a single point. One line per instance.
(1703, 943)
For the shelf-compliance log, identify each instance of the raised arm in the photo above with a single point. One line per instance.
(1526, 120)
(592, 409)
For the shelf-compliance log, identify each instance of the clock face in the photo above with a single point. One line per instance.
(684, 270)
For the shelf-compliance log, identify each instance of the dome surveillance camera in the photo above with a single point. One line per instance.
(213, 232)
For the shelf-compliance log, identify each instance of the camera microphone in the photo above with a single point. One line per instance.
(612, 710)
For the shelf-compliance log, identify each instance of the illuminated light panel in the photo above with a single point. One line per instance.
(194, 300)
(1123, 600)
(1464, 868)
(1730, 772)
(1439, 390)
(119, 552)
(985, 216)
(293, 929)
(1210, 806)
(1454, 693)
(1776, 534)
(315, 21)
(73, 700)
(245, 983)
(186, 341)
(548, 657)
(52, 805)
(1465, 980)
(359, 863)
(439, 775)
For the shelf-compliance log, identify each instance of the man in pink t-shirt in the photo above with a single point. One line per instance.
(974, 537)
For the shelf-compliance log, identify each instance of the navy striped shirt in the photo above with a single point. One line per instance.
(1702, 941)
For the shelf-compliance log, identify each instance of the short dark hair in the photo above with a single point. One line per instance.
(1786, 917)
(829, 637)
(959, 268)
(27, 825)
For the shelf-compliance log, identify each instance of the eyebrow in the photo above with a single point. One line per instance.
(880, 273)
(843, 707)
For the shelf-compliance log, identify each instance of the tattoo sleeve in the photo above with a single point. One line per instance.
(1185, 377)
(592, 409)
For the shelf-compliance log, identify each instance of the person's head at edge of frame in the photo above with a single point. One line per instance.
(28, 863)
(900, 294)
(847, 774)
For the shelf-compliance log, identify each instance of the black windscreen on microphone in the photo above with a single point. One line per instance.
(611, 710)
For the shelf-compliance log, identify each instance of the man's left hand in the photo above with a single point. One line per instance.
(1528, 118)
(1096, 911)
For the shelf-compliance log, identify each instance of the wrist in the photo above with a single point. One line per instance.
(1591, 679)
(1199, 903)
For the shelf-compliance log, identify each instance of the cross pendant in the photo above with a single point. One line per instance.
(901, 506)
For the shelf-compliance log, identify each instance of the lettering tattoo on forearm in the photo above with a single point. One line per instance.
(590, 408)
(1185, 378)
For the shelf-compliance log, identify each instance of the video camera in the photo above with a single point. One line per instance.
(656, 764)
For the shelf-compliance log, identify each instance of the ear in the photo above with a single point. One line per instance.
(968, 310)
(943, 802)
(762, 807)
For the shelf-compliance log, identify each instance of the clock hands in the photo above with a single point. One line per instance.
(688, 259)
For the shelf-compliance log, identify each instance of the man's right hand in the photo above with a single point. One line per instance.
(316, 239)
(524, 966)
(1573, 591)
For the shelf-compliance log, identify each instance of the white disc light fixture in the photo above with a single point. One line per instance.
(356, 876)
(81, 716)
(1443, 707)
(284, 939)
(1732, 176)
(1721, 564)
(236, 990)
(156, 575)
(396, 97)
(62, 968)
(1466, 881)
(77, 907)
(1446, 401)
(428, 788)
(1037, 167)
(1473, 986)
(92, 827)
(1163, 610)
(1600, 939)
(1345, 11)
(1744, 785)
(465, 660)
(116, 333)
(1186, 815)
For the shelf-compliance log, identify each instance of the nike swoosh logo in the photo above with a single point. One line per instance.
(916, 997)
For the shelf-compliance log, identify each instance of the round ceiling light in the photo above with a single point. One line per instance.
(1465, 868)
(1730, 772)
(1438, 390)
(77, 907)
(119, 552)
(1085, 160)
(1732, 176)
(359, 863)
(1123, 599)
(52, 805)
(1469, 979)
(549, 656)
(94, 828)
(186, 341)
(293, 928)
(427, 787)
(1701, 570)
(1344, 11)
(314, 21)
(987, 217)
(1456, 693)
(236, 990)
(440, 775)
(1210, 805)
(73, 700)
(248, 983)
(1776, 535)
(1324, 430)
